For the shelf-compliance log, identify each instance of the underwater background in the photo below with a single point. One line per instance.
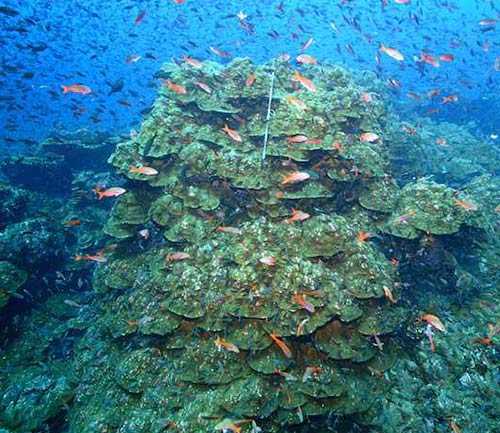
(249, 217)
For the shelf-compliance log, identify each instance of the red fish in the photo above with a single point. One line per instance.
(281, 344)
(250, 80)
(295, 177)
(297, 215)
(430, 59)
(222, 344)
(203, 87)
(148, 171)
(306, 59)
(296, 102)
(193, 62)
(174, 257)
(92, 258)
(369, 137)
(174, 87)
(77, 88)
(392, 52)
(303, 303)
(433, 320)
(465, 205)
(110, 192)
(451, 98)
(447, 57)
(232, 133)
(306, 82)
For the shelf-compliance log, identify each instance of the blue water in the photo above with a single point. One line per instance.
(53, 43)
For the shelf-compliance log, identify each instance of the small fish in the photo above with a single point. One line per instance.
(148, 171)
(232, 230)
(433, 320)
(174, 87)
(144, 233)
(232, 133)
(297, 215)
(389, 295)
(430, 335)
(220, 53)
(465, 205)
(139, 17)
(222, 344)
(107, 249)
(395, 54)
(281, 344)
(450, 98)
(409, 130)
(77, 88)
(92, 258)
(268, 260)
(296, 102)
(250, 80)
(110, 192)
(203, 87)
(193, 62)
(303, 303)
(488, 21)
(311, 373)
(366, 97)
(229, 425)
(440, 141)
(369, 137)
(72, 303)
(306, 82)
(306, 59)
(430, 59)
(295, 177)
(133, 59)
(363, 236)
(174, 257)
(454, 426)
(72, 222)
(406, 218)
(447, 57)
(307, 44)
(482, 340)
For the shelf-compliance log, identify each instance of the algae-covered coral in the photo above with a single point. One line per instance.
(258, 281)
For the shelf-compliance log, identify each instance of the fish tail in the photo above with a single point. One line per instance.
(65, 89)
(99, 193)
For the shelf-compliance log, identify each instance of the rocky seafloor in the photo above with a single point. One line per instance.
(270, 264)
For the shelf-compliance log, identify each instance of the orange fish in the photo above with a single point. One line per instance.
(303, 303)
(395, 54)
(431, 60)
(281, 344)
(250, 80)
(451, 98)
(366, 97)
(107, 249)
(148, 171)
(389, 295)
(77, 88)
(338, 147)
(481, 340)
(369, 137)
(306, 59)
(466, 205)
(203, 87)
(174, 257)
(110, 192)
(300, 138)
(297, 215)
(232, 230)
(268, 260)
(295, 177)
(193, 62)
(308, 84)
(221, 344)
(92, 258)
(363, 236)
(454, 426)
(72, 222)
(174, 87)
(447, 57)
(433, 320)
(440, 141)
(232, 133)
(296, 102)
(229, 425)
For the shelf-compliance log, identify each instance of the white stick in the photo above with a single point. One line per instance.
(268, 118)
